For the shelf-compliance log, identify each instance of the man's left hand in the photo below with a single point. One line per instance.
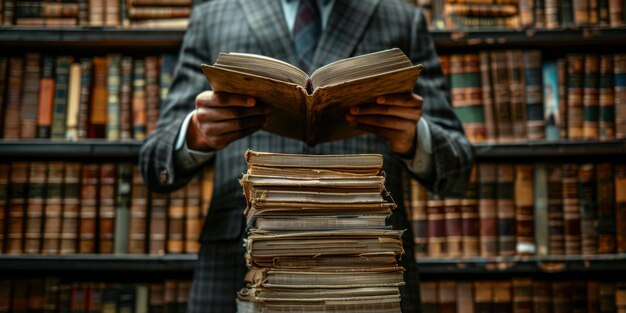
(393, 117)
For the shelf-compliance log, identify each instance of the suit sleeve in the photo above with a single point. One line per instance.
(452, 155)
(157, 156)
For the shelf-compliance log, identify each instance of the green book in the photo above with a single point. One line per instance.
(59, 109)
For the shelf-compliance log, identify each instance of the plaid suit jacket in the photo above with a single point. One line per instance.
(258, 26)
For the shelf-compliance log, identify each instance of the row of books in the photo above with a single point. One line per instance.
(67, 208)
(514, 95)
(59, 97)
(54, 295)
(517, 14)
(523, 295)
(524, 209)
(114, 13)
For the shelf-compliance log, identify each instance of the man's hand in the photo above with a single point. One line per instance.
(393, 117)
(222, 118)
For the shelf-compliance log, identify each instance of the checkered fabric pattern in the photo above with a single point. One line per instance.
(306, 32)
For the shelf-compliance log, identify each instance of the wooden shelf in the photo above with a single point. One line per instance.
(577, 151)
(171, 38)
(610, 263)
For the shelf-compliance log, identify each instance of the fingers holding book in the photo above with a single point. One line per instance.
(221, 118)
(393, 117)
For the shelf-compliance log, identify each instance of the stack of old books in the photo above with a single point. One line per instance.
(318, 239)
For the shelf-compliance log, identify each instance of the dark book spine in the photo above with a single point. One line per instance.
(138, 215)
(98, 110)
(563, 105)
(607, 297)
(447, 297)
(588, 209)
(483, 297)
(106, 207)
(522, 295)
(575, 106)
(156, 298)
(122, 207)
(60, 97)
(502, 298)
(166, 75)
(524, 209)
(605, 189)
(83, 12)
(616, 13)
(152, 93)
(45, 9)
(593, 296)
(487, 96)
(126, 117)
(13, 101)
(540, 14)
(556, 221)
(171, 290)
(419, 221)
(78, 303)
(109, 298)
(139, 100)
(35, 209)
(4, 62)
(85, 93)
(19, 303)
(17, 207)
(71, 208)
(113, 99)
(606, 99)
(46, 98)
(487, 210)
(501, 95)
(5, 295)
(52, 288)
(176, 222)
(620, 207)
(578, 297)
(54, 208)
(620, 96)
(470, 220)
(8, 12)
(193, 215)
(542, 297)
(571, 209)
(516, 93)
(30, 96)
(182, 296)
(505, 209)
(603, 12)
(158, 223)
(535, 123)
(126, 297)
(454, 227)
(465, 87)
(591, 109)
(5, 171)
(435, 213)
(561, 295)
(65, 298)
(90, 180)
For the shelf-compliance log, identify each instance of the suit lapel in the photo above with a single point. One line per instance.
(267, 23)
(346, 24)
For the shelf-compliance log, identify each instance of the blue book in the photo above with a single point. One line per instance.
(551, 100)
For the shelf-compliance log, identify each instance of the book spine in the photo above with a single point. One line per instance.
(606, 99)
(516, 93)
(17, 207)
(526, 9)
(45, 9)
(575, 106)
(122, 210)
(561, 294)
(591, 107)
(535, 123)
(620, 96)
(51, 304)
(89, 208)
(54, 208)
(620, 207)
(13, 98)
(96, 12)
(505, 212)
(605, 189)
(82, 127)
(60, 97)
(592, 7)
(522, 295)
(454, 228)
(581, 12)
(152, 93)
(435, 213)
(158, 223)
(588, 208)
(20, 300)
(106, 208)
(603, 12)
(542, 297)
(168, 3)
(502, 298)
(502, 99)
(447, 297)
(5, 171)
(98, 112)
(138, 215)
(112, 13)
(540, 14)
(113, 99)
(142, 13)
(8, 12)
(607, 297)
(3, 82)
(487, 210)
(34, 209)
(157, 298)
(176, 222)
(466, 93)
(465, 297)
(483, 297)
(593, 297)
(571, 209)
(171, 291)
(419, 220)
(553, 119)
(126, 99)
(620, 297)
(83, 12)
(561, 65)
(429, 294)
(524, 210)
(556, 218)
(487, 96)
(552, 14)
(139, 100)
(30, 95)
(616, 13)
(73, 102)
(46, 98)
(193, 216)
(470, 220)
(71, 208)
(578, 296)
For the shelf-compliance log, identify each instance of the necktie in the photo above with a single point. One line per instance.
(306, 32)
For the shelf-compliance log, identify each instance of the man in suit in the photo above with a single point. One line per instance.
(415, 132)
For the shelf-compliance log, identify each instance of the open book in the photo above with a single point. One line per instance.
(313, 109)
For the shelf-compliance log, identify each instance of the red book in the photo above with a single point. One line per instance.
(435, 213)
(505, 209)
(106, 207)
(571, 209)
(138, 215)
(487, 210)
(90, 179)
(17, 207)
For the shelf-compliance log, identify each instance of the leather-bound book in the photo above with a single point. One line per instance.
(487, 173)
(54, 208)
(35, 209)
(90, 180)
(71, 208)
(106, 207)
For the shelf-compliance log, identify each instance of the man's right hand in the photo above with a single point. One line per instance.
(222, 118)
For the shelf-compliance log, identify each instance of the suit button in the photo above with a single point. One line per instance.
(164, 176)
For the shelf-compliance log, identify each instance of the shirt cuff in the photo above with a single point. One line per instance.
(423, 152)
(188, 159)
